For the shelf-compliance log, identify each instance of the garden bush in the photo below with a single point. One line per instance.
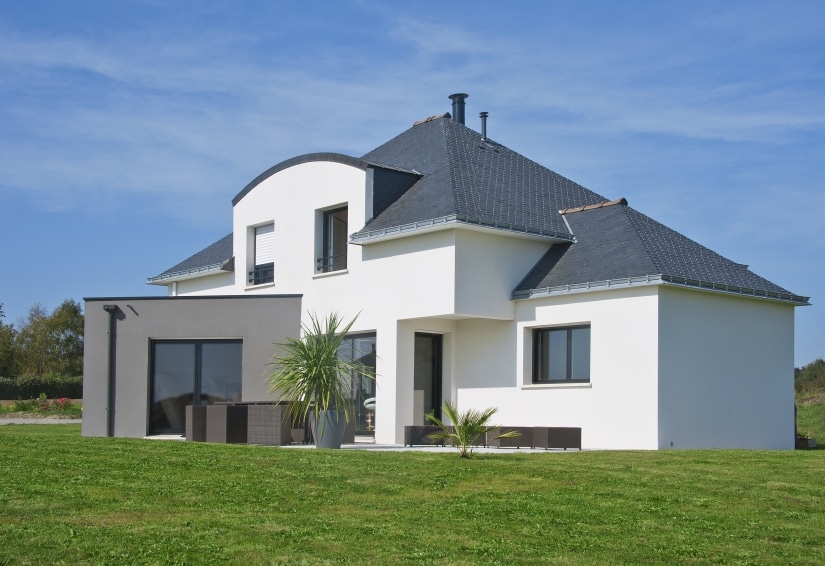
(31, 387)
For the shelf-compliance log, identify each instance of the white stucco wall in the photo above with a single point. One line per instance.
(726, 371)
(707, 349)
(222, 283)
(487, 269)
(617, 409)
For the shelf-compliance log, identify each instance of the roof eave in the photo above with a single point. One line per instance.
(449, 222)
(193, 273)
(659, 279)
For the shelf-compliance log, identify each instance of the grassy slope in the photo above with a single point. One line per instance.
(810, 416)
(810, 400)
(67, 499)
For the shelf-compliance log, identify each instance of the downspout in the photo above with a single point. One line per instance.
(110, 401)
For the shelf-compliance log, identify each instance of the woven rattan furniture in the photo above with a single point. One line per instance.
(419, 435)
(226, 423)
(268, 424)
(526, 438)
(196, 423)
(557, 437)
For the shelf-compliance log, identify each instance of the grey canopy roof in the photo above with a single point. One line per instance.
(217, 257)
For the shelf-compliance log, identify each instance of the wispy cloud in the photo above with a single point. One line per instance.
(148, 112)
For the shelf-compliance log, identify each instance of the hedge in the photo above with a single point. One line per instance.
(30, 387)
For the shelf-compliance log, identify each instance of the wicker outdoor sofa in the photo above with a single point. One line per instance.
(531, 436)
(264, 423)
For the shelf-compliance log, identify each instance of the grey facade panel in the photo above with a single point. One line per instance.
(259, 321)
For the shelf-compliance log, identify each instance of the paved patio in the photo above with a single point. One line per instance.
(39, 421)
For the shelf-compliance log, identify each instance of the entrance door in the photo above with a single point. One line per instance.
(427, 376)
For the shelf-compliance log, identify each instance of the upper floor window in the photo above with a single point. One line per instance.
(263, 270)
(333, 241)
(561, 354)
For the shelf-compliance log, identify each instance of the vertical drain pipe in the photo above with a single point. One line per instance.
(110, 402)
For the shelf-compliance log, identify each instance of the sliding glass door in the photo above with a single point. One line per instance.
(191, 372)
(361, 348)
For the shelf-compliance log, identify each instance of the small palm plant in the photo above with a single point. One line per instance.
(311, 375)
(466, 429)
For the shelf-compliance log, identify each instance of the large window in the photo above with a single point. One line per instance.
(361, 348)
(334, 241)
(191, 372)
(263, 270)
(561, 355)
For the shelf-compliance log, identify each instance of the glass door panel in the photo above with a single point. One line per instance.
(220, 372)
(426, 377)
(191, 372)
(173, 385)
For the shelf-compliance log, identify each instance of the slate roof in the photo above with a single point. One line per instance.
(477, 181)
(463, 178)
(217, 257)
(619, 245)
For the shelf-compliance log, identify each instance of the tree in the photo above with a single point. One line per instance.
(51, 344)
(810, 378)
(65, 331)
(7, 348)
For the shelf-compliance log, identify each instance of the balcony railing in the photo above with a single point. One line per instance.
(264, 273)
(331, 263)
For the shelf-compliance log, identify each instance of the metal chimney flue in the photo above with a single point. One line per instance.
(483, 116)
(458, 106)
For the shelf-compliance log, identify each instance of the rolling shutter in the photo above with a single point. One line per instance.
(265, 244)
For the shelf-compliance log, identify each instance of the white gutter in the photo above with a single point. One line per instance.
(660, 279)
(166, 278)
(452, 221)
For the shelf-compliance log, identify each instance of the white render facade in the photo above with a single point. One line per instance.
(670, 361)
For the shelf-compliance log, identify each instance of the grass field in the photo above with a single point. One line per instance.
(65, 499)
(810, 416)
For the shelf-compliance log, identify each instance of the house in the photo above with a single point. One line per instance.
(478, 276)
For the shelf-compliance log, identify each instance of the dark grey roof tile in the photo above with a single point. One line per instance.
(218, 253)
(618, 242)
(468, 177)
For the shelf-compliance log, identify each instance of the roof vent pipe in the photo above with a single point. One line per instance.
(483, 116)
(458, 106)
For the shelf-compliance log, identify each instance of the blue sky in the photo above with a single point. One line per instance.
(127, 127)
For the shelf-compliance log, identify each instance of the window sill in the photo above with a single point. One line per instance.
(261, 286)
(557, 385)
(330, 274)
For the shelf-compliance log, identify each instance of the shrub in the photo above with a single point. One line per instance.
(30, 387)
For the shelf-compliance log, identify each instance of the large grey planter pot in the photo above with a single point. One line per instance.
(328, 429)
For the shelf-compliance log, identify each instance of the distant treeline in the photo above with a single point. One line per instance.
(43, 344)
(810, 378)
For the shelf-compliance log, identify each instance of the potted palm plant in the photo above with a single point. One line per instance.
(315, 381)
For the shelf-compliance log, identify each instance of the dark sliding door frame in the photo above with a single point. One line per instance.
(436, 399)
(197, 382)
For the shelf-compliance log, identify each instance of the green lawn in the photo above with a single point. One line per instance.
(71, 500)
